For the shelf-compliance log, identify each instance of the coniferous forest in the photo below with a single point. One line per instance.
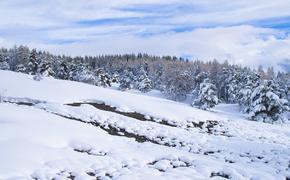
(263, 94)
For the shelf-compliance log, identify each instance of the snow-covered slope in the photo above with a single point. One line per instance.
(54, 129)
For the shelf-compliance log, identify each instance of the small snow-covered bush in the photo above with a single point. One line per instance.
(37, 77)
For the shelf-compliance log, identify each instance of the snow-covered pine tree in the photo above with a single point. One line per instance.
(199, 78)
(63, 71)
(45, 69)
(103, 78)
(142, 82)
(21, 68)
(127, 80)
(207, 97)
(232, 78)
(244, 98)
(266, 105)
(81, 72)
(145, 85)
(179, 85)
(32, 66)
(115, 78)
(157, 82)
(4, 65)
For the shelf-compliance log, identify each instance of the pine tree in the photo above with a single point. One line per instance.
(63, 71)
(266, 105)
(4, 65)
(115, 78)
(45, 69)
(81, 72)
(145, 85)
(231, 79)
(244, 97)
(157, 82)
(179, 86)
(142, 82)
(32, 65)
(199, 78)
(21, 68)
(127, 80)
(103, 78)
(207, 97)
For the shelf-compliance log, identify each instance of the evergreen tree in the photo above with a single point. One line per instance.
(115, 78)
(145, 85)
(4, 65)
(200, 77)
(251, 82)
(142, 81)
(266, 105)
(45, 69)
(179, 86)
(127, 80)
(157, 79)
(103, 78)
(80, 72)
(207, 97)
(32, 65)
(63, 71)
(21, 68)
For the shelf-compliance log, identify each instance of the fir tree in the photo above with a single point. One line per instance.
(145, 85)
(63, 71)
(142, 82)
(103, 78)
(178, 86)
(81, 73)
(45, 69)
(244, 97)
(207, 97)
(21, 68)
(266, 105)
(115, 78)
(4, 65)
(32, 65)
(127, 80)
(157, 80)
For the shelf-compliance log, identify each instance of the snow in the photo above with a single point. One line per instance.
(61, 91)
(43, 137)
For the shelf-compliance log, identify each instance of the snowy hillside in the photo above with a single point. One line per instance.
(56, 129)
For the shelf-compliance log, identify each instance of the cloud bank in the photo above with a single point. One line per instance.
(244, 32)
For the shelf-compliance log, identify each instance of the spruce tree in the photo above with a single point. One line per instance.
(4, 65)
(63, 71)
(179, 86)
(207, 97)
(244, 97)
(142, 82)
(266, 105)
(127, 80)
(32, 65)
(103, 78)
(21, 68)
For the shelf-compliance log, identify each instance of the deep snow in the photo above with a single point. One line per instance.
(43, 137)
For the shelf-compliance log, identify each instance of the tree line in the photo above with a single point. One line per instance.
(263, 94)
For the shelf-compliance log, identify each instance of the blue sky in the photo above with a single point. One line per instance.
(245, 32)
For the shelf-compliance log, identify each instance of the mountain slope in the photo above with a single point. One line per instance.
(66, 130)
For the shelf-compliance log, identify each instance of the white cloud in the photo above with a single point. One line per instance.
(244, 45)
(47, 24)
